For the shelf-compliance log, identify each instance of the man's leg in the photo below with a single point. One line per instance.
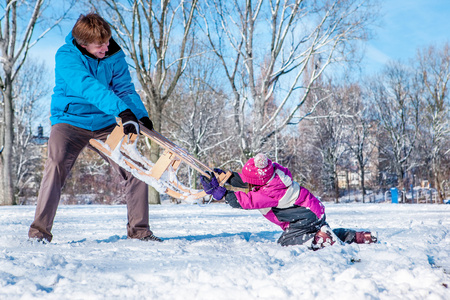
(137, 205)
(136, 195)
(64, 146)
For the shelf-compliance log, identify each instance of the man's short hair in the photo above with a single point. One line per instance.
(91, 28)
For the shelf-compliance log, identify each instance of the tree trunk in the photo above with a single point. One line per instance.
(439, 189)
(153, 195)
(7, 192)
(336, 188)
(155, 114)
(363, 187)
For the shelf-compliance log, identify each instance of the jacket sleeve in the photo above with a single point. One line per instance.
(125, 90)
(255, 200)
(230, 198)
(73, 71)
(236, 181)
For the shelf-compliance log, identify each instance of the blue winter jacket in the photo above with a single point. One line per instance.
(90, 92)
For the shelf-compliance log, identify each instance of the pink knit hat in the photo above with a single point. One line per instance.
(258, 170)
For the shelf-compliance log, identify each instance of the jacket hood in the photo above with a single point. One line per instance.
(113, 47)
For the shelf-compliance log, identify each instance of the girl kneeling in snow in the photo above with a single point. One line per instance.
(283, 202)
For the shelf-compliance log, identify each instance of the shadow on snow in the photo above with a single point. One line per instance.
(258, 236)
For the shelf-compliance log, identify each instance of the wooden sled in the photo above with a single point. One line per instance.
(161, 175)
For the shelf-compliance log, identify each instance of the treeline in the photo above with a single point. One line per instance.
(226, 80)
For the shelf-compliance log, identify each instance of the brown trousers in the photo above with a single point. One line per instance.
(64, 145)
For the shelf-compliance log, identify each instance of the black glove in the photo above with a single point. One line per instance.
(147, 123)
(218, 171)
(127, 116)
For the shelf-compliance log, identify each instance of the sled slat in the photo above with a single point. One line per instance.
(162, 164)
(182, 154)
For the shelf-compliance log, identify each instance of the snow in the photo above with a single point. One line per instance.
(216, 252)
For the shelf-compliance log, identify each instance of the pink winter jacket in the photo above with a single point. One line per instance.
(280, 192)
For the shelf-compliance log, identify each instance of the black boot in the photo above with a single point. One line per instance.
(151, 238)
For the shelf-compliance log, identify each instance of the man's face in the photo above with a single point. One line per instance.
(97, 49)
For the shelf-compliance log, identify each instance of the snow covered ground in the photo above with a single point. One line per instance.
(216, 252)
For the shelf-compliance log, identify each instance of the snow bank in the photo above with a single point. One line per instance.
(216, 252)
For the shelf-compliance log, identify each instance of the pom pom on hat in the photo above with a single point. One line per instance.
(261, 161)
(258, 170)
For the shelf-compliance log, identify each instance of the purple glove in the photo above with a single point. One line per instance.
(212, 187)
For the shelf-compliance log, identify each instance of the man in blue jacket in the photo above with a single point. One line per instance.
(92, 87)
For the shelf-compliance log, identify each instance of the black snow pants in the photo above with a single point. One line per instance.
(303, 226)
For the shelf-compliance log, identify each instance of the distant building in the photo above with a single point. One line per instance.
(40, 139)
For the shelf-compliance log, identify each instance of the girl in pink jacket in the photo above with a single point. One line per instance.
(284, 202)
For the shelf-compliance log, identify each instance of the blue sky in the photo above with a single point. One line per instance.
(406, 26)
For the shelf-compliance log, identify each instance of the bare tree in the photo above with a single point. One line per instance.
(328, 137)
(359, 133)
(397, 110)
(434, 77)
(274, 51)
(156, 36)
(200, 124)
(303, 159)
(30, 87)
(17, 27)
(358, 146)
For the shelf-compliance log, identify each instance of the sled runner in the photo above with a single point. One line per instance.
(161, 175)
